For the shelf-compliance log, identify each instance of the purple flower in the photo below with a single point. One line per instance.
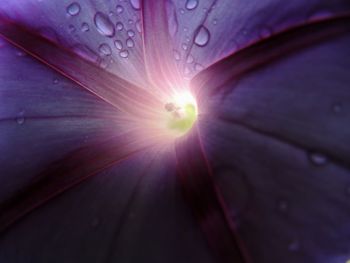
(174, 131)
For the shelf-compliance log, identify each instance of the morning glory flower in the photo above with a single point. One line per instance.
(174, 131)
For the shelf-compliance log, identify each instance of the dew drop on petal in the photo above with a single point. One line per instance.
(215, 21)
(20, 118)
(103, 63)
(131, 33)
(55, 81)
(282, 205)
(118, 44)
(120, 9)
(73, 9)
(124, 53)
(337, 108)
(198, 67)
(191, 4)
(103, 25)
(182, 11)
(184, 46)
(120, 26)
(189, 59)
(105, 50)
(85, 27)
(318, 159)
(135, 4)
(130, 21)
(177, 55)
(130, 42)
(202, 37)
(71, 28)
(138, 26)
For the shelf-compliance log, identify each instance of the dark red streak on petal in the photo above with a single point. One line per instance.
(266, 51)
(205, 200)
(108, 87)
(66, 173)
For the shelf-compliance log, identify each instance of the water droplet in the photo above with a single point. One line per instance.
(71, 28)
(130, 21)
(294, 246)
(19, 53)
(191, 4)
(131, 33)
(198, 67)
(104, 25)
(130, 42)
(182, 11)
(120, 9)
(120, 26)
(73, 9)
(95, 222)
(184, 46)
(215, 21)
(187, 71)
(135, 4)
(282, 205)
(318, 159)
(20, 118)
(85, 27)
(124, 53)
(185, 29)
(337, 108)
(138, 26)
(103, 63)
(189, 59)
(118, 44)
(202, 37)
(105, 50)
(177, 55)
(55, 81)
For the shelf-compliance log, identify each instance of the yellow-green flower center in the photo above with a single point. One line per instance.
(181, 118)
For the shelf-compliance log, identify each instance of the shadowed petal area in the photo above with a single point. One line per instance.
(209, 30)
(105, 32)
(113, 216)
(196, 178)
(276, 130)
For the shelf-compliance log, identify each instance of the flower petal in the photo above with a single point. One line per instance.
(107, 33)
(275, 124)
(211, 30)
(136, 206)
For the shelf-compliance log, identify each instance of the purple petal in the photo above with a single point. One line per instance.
(115, 216)
(211, 30)
(105, 32)
(276, 126)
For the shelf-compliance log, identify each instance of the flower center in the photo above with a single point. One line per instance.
(182, 113)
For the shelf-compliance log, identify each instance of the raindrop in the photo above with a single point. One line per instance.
(130, 21)
(95, 222)
(130, 42)
(124, 54)
(118, 44)
(198, 67)
(138, 26)
(185, 29)
(103, 63)
(187, 71)
(20, 54)
(120, 26)
(105, 50)
(131, 33)
(282, 205)
(135, 4)
(104, 25)
(20, 118)
(177, 55)
(318, 159)
(337, 108)
(182, 11)
(73, 9)
(190, 59)
(120, 9)
(184, 46)
(85, 27)
(71, 28)
(55, 81)
(202, 37)
(294, 246)
(215, 21)
(191, 4)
